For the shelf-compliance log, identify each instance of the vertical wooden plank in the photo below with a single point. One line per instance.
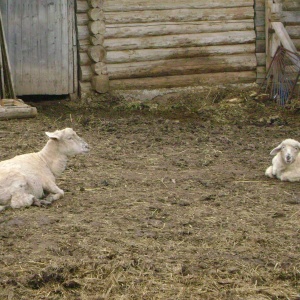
(43, 81)
(40, 35)
(10, 37)
(268, 4)
(4, 9)
(57, 19)
(65, 47)
(24, 81)
(51, 44)
(72, 74)
(6, 66)
(34, 45)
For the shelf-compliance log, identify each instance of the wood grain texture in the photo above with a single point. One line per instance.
(179, 15)
(41, 46)
(214, 64)
(183, 80)
(183, 40)
(140, 5)
(172, 28)
(124, 56)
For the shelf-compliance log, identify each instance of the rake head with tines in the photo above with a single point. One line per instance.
(282, 76)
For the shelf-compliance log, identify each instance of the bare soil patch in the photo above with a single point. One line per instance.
(170, 203)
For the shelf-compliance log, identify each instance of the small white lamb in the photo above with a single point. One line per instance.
(286, 163)
(25, 178)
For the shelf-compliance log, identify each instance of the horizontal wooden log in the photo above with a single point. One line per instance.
(260, 18)
(260, 28)
(83, 32)
(99, 68)
(184, 40)
(260, 46)
(96, 27)
(179, 15)
(17, 112)
(261, 59)
(97, 39)
(183, 80)
(83, 45)
(214, 64)
(97, 53)
(82, 6)
(292, 5)
(85, 87)
(174, 67)
(82, 19)
(85, 73)
(293, 31)
(291, 17)
(96, 14)
(84, 59)
(139, 5)
(171, 53)
(259, 5)
(261, 35)
(152, 29)
(261, 72)
(100, 83)
(96, 3)
(297, 44)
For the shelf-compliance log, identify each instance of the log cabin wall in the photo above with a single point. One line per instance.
(139, 44)
(291, 20)
(260, 45)
(290, 17)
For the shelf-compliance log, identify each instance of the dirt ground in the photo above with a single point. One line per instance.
(170, 203)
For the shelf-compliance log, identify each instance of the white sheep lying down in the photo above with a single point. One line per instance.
(26, 178)
(286, 163)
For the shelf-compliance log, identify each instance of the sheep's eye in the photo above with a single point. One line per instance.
(296, 148)
(283, 147)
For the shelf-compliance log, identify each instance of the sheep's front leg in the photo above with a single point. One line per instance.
(269, 172)
(54, 191)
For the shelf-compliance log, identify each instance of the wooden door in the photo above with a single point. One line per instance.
(41, 44)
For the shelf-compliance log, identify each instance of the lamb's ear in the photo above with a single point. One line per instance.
(276, 150)
(54, 135)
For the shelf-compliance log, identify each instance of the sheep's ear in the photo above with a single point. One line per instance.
(276, 150)
(53, 135)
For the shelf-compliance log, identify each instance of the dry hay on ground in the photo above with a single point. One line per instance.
(171, 203)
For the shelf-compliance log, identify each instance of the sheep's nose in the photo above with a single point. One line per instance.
(85, 146)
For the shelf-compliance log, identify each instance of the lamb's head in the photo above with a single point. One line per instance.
(288, 149)
(68, 142)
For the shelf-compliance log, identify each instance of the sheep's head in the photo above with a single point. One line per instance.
(69, 143)
(288, 149)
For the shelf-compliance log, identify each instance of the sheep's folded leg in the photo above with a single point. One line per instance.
(270, 172)
(39, 203)
(54, 191)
